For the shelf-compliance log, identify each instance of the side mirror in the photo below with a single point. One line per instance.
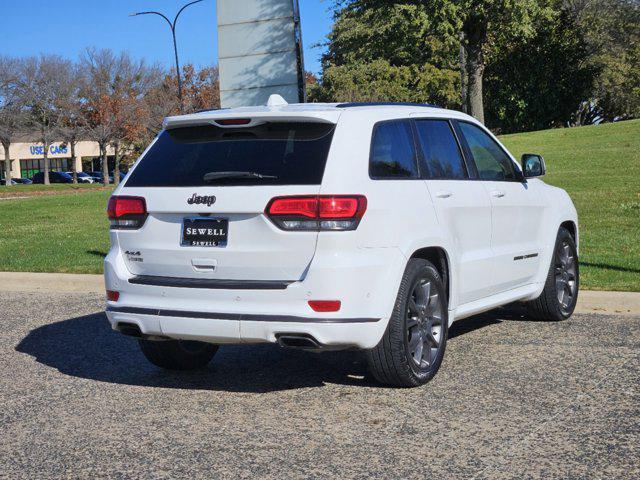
(533, 165)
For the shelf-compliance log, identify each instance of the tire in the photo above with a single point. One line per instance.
(178, 354)
(560, 295)
(420, 314)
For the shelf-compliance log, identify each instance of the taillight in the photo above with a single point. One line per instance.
(317, 212)
(325, 305)
(112, 295)
(126, 213)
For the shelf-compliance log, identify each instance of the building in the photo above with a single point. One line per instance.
(27, 158)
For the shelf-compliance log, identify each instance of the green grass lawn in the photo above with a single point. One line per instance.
(599, 166)
(55, 233)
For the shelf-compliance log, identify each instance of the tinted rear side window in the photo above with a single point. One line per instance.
(440, 150)
(293, 153)
(393, 152)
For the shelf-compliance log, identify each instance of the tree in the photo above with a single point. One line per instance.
(11, 109)
(42, 83)
(391, 50)
(200, 91)
(611, 29)
(200, 88)
(111, 93)
(435, 36)
(71, 127)
(485, 24)
(539, 82)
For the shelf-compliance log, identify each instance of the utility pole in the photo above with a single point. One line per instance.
(172, 26)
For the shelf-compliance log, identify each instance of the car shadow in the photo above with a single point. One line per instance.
(87, 347)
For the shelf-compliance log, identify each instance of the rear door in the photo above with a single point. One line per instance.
(517, 210)
(206, 188)
(462, 206)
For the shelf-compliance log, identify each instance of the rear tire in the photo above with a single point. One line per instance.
(560, 295)
(178, 354)
(412, 348)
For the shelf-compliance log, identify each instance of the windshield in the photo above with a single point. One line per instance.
(267, 154)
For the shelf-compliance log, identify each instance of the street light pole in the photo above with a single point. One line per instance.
(172, 26)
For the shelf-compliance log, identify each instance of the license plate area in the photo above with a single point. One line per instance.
(204, 232)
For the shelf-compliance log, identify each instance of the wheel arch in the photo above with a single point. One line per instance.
(571, 226)
(439, 257)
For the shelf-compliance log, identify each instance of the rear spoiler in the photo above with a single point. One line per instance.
(199, 119)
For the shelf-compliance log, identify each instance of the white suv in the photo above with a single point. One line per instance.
(328, 226)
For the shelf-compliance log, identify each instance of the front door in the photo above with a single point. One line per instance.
(517, 208)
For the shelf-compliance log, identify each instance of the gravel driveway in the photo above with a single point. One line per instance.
(513, 399)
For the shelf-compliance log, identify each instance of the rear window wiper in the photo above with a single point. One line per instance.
(211, 176)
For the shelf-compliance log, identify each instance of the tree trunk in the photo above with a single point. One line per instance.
(46, 163)
(105, 164)
(464, 75)
(475, 30)
(476, 104)
(74, 171)
(116, 168)
(7, 165)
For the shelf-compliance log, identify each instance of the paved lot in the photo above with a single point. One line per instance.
(514, 399)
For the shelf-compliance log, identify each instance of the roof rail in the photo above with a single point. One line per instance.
(382, 104)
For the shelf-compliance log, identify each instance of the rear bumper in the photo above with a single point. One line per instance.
(365, 282)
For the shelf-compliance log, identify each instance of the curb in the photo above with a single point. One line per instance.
(51, 282)
(589, 301)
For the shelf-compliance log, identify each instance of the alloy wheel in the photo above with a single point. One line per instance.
(566, 275)
(424, 324)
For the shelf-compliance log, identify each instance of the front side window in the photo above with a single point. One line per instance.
(440, 150)
(393, 153)
(491, 160)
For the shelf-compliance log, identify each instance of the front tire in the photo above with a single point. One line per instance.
(560, 295)
(412, 348)
(177, 354)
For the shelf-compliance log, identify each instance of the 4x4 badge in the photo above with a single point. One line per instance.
(207, 200)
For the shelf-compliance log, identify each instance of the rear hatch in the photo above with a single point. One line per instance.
(206, 188)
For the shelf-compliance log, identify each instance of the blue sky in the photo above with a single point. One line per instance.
(67, 27)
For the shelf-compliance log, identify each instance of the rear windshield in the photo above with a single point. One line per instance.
(269, 154)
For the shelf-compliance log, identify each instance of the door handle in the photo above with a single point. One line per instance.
(204, 265)
(497, 194)
(444, 194)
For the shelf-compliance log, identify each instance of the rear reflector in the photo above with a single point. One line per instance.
(317, 212)
(112, 295)
(325, 305)
(126, 212)
(234, 121)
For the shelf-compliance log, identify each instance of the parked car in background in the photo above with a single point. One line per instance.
(82, 177)
(54, 177)
(99, 177)
(17, 181)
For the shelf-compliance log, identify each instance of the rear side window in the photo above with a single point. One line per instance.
(491, 161)
(393, 153)
(272, 153)
(440, 150)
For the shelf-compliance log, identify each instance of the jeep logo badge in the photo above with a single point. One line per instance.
(207, 200)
